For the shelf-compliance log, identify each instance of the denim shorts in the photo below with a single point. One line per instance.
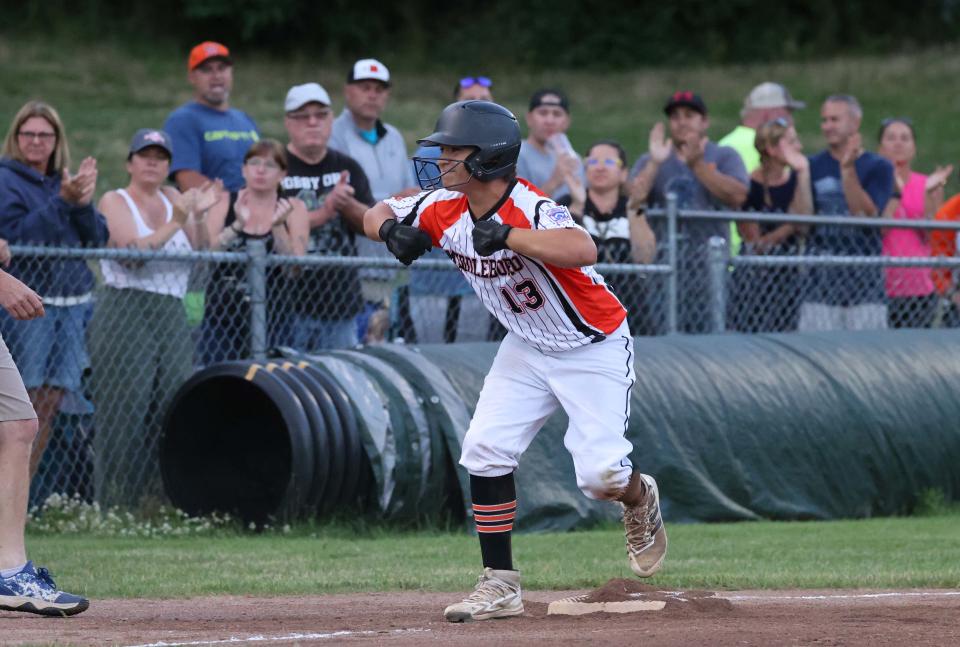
(51, 350)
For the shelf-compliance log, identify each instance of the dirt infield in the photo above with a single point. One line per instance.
(753, 618)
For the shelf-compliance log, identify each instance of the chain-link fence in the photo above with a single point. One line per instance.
(809, 273)
(104, 363)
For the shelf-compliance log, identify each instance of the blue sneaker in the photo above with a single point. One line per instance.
(32, 590)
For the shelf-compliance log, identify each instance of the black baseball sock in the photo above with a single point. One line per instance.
(494, 508)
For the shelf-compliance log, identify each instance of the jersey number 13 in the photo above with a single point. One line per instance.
(527, 297)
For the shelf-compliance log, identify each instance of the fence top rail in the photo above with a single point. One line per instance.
(96, 253)
(882, 261)
(844, 221)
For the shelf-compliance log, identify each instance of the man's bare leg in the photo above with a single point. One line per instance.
(16, 445)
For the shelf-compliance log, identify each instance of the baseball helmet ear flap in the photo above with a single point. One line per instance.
(474, 166)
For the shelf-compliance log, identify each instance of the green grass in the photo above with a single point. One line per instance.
(875, 553)
(105, 93)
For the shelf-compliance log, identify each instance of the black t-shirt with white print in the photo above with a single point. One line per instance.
(327, 292)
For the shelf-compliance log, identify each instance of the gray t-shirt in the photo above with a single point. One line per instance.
(675, 176)
(537, 166)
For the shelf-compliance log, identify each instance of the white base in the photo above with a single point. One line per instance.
(576, 607)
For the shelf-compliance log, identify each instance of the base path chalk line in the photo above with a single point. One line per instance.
(844, 596)
(259, 638)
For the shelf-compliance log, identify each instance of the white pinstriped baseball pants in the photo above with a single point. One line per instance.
(525, 386)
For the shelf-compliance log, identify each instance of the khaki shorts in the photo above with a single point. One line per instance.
(14, 403)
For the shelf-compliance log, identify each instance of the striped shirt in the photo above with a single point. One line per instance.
(551, 308)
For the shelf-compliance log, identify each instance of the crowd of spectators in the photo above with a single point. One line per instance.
(208, 181)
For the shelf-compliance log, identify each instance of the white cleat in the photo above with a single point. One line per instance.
(646, 536)
(497, 595)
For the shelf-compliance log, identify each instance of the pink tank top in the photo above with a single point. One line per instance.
(908, 281)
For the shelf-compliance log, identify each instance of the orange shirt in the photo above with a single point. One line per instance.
(943, 242)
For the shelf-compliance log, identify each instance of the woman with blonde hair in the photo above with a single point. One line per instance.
(767, 299)
(43, 203)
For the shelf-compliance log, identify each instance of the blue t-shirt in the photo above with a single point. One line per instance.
(845, 285)
(211, 142)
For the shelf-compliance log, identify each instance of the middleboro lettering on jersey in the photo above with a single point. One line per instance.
(487, 268)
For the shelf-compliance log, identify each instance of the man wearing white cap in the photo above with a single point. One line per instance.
(359, 132)
(380, 150)
(336, 192)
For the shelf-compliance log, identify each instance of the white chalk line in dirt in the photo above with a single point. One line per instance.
(259, 638)
(843, 596)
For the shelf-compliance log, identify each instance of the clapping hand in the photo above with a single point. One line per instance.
(205, 196)
(78, 189)
(341, 192)
(792, 155)
(938, 178)
(194, 203)
(852, 152)
(280, 212)
(241, 209)
(660, 146)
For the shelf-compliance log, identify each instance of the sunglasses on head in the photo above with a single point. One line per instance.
(470, 81)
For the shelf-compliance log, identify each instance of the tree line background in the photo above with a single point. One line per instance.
(607, 34)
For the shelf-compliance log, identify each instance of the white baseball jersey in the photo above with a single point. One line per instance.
(551, 308)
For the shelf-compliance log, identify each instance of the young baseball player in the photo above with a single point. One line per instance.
(568, 343)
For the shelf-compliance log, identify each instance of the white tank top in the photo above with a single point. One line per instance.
(159, 277)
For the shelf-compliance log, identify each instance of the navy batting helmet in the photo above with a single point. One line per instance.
(486, 126)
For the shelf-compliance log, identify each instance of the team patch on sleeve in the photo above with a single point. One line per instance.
(556, 217)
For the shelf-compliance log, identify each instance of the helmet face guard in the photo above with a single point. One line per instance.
(429, 175)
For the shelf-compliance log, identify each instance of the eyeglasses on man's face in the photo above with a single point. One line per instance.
(308, 115)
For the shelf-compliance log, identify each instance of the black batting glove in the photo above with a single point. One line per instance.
(490, 236)
(405, 242)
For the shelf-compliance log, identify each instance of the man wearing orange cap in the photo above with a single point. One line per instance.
(209, 137)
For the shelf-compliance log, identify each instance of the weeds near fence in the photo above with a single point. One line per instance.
(65, 515)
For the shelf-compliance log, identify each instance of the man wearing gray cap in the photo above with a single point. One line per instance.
(325, 300)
